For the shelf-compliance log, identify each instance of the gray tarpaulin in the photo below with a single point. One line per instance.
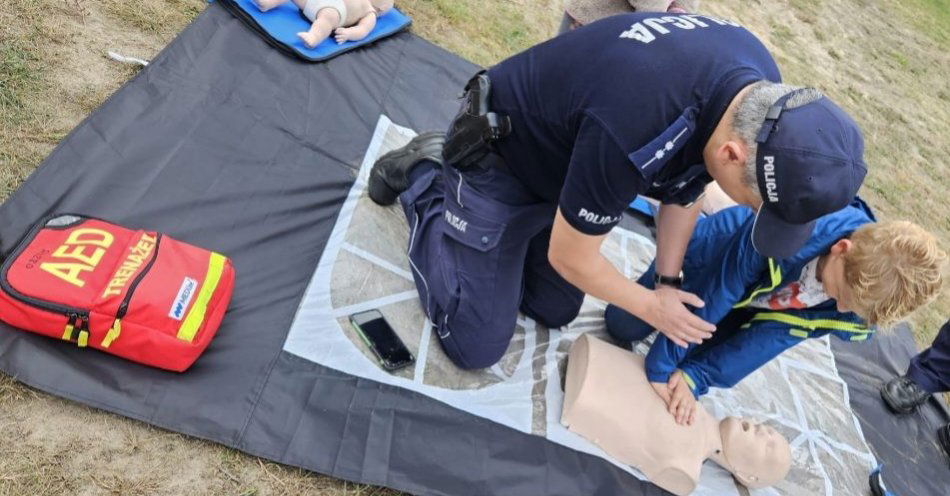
(907, 444)
(227, 143)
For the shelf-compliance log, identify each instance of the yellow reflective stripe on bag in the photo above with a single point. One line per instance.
(775, 277)
(196, 316)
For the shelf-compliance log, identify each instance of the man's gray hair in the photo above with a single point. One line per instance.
(750, 114)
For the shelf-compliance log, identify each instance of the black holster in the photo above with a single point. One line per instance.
(475, 127)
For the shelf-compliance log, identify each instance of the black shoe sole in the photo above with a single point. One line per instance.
(894, 407)
(379, 191)
(943, 437)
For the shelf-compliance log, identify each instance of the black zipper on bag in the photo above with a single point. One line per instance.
(29, 300)
(116, 330)
(72, 324)
(124, 306)
(83, 328)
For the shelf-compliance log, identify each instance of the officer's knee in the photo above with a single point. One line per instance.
(473, 356)
(625, 327)
(551, 316)
(557, 318)
(473, 347)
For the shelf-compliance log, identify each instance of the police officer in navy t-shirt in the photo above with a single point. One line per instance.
(539, 167)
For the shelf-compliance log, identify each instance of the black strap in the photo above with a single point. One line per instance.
(772, 116)
(475, 127)
(661, 280)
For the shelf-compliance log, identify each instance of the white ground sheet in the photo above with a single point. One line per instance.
(365, 266)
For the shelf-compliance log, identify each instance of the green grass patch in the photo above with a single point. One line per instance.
(901, 59)
(155, 16)
(806, 11)
(22, 80)
(19, 75)
(931, 17)
(781, 34)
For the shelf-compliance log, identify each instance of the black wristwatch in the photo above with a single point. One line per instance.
(660, 280)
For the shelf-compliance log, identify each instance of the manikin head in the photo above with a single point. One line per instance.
(382, 6)
(789, 153)
(754, 453)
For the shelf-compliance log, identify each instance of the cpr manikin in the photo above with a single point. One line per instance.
(345, 19)
(609, 402)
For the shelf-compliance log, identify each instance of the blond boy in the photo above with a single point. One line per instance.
(852, 273)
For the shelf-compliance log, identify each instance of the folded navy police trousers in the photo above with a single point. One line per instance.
(478, 246)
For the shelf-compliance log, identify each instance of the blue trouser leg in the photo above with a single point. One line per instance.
(930, 369)
(548, 297)
(624, 326)
(469, 238)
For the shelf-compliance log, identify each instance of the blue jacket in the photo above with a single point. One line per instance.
(725, 271)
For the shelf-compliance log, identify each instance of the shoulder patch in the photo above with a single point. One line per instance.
(654, 154)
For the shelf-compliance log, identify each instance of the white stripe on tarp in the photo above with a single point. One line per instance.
(369, 257)
(418, 375)
(374, 304)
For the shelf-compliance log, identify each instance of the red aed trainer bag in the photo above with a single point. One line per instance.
(139, 295)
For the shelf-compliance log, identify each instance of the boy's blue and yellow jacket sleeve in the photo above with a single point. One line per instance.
(763, 337)
(726, 364)
(718, 267)
(724, 270)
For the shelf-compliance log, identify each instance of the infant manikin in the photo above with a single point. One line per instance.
(345, 19)
(608, 400)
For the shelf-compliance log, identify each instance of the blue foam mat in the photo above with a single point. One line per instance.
(641, 205)
(280, 26)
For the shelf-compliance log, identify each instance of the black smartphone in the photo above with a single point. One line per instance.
(382, 339)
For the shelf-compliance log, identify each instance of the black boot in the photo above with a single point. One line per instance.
(903, 395)
(390, 174)
(943, 438)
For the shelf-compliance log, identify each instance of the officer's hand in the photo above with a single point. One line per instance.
(671, 317)
(663, 391)
(682, 404)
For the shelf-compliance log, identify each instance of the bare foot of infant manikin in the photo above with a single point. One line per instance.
(266, 5)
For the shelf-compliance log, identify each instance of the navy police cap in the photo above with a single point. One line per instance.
(809, 163)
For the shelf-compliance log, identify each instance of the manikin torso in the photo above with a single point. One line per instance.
(609, 401)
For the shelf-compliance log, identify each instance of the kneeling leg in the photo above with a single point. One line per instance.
(548, 298)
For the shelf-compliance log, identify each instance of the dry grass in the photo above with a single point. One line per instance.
(485, 31)
(887, 62)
